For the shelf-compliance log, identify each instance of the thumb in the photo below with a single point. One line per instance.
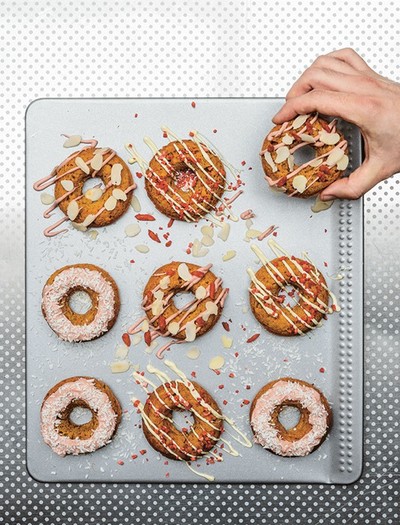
(353, 187)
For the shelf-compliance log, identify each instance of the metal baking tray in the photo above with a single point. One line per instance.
(331, 356)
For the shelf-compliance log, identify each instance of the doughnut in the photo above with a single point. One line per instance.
(312, 428)
(65, 437)
(159, 428)
(269, 307)
(330, 162)
(102, 290)
(197, 316)
(98, 206)
(185, 180)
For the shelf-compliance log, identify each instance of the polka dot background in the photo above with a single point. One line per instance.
(190, 48)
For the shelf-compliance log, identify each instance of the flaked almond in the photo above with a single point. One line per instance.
(315, 163)
(329, 138)
(321, 205)
(72, 210)
(269, 160)
(335, 156)
(343, 163)
(198, 250)
(252, 234)
(193, 353)
(136, 204)
(68, 185)
(224, 232)
(72, 141)
(119, 194)
(300, 183)
(299, 121)
(136, 339)
(82, 165)
(164, 282)
(132, 230)
(157, 307)
(190, 331)
(206, 240)
(201, 293)
(94, 194)
(116, 174)
(47, 199)
(307, 138)
(78, 226)
(117, 367)
(97, 161)
(287, 139)
(145, 326)
(230, 254)
(226, 341)
(207, 230)
(211, 309)
(93, 234)
(121, 352)
(142, 248)
(291, 162)
(282, 154)
(183, 272)
(110, 203)
(216, 362)
(88, 220)
(173, 327)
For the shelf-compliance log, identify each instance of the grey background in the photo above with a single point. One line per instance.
(193, 49)
(333, 237)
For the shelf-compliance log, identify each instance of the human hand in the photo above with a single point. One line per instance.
(341, 84)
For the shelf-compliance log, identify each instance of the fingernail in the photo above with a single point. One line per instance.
(325, 198)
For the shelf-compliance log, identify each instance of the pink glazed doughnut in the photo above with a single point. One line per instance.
(312, 428)
(65, 437)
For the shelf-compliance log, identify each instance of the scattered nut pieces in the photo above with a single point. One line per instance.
(193, 353)
(142, 248)
(226, 341)
(136, 204)
(132, 230)
(230, 254)
(216, 362)
(121, 352)
(47, 199)
(225, 230)
(118, 367)
(72, 141)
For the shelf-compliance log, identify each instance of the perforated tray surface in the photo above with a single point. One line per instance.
(330, 357)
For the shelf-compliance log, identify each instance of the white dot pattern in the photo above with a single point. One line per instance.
(190, 48)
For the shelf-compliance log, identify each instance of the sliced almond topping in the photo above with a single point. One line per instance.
(121, 352)
(68, 185)
(79, 227)
(94, 194)
(97, 161)
(299, 121)
(110, 203)
(300, 183)
(89, 219)
(72, 141)
(343, 163)
(329, 138)
(158, 294)
(173, 328)
(164, 282)
(321, 205)
(335, 156)
(211, 309)
(249, 223)
(226, 341)
(157, 307)
(230, 254)
(118, 367)
(216, 362)
(225, 230)
(183, 272)
(207, 240)
(47, 199)
(270, 162)
(72, 210)
(306, 138)
(315, 163)
(82, 165)
(198, 250)
(287, 139)
(190, 331)
(193, 353)
(132, 230)
(207, 230)
(291, 162)
(252, 234)
(116, 174)
(145, 326)
(135, 203)
(201, 293)
(282, 154)
(119, 194)
(136, 339)
(142, 248)
(93, 234)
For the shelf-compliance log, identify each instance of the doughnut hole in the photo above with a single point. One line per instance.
(183, 420)
(289, 416)
(304, 155)
(80, 305)
(80, 416)
(78, 420)
(182, 299)
(93, 182)
(290, 296)
(80, 302)
(184, 178)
